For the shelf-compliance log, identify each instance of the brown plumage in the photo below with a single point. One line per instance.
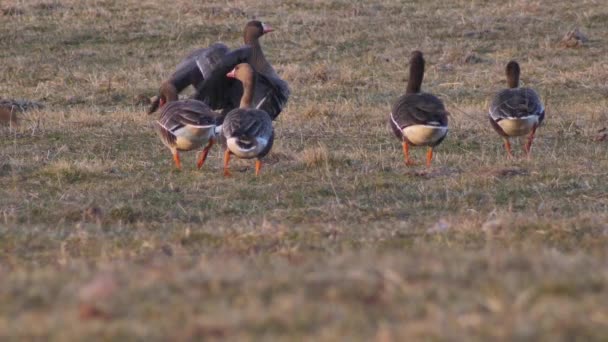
(206, 70)
(271, 92)
(185, 125)
(516, 111)
(417, 118)
(247, 132)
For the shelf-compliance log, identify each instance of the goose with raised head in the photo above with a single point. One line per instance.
(185, 125)
(246, 131)
(516, 111)
(206, 70)
(417, 118)
(271, 92)
(187, 72)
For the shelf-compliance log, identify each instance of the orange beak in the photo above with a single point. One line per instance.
(232, 74)
(267, 28)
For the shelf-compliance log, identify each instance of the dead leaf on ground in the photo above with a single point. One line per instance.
(602, 135)
(92, 214)
(573, 39)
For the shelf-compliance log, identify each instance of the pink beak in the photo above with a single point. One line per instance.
(232, 74)
(267, 28)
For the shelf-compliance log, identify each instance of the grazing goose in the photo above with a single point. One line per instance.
(247, 132)
(185, 125)
(417, 118)
(516, 111)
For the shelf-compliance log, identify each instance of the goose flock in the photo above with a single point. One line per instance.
(238, 95)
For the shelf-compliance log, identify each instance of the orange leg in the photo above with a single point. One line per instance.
(508, 148)
(176, 159)
(528, 146)
(203, 156)
(258, 167)
(429, 157)
(226, 162)
(406, 154)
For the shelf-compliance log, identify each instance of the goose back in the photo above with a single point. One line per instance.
(220, 92)
(186, 124)
(416, 117)
(516, 103)
(421, 109)
(516, 111)
(248, 133)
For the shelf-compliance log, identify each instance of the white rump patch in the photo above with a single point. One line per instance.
(246, 153)
(190, 137)
(424, 134)
(518, 126)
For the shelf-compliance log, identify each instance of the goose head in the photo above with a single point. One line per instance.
(254, 30)
(168, 93)
(246, 75)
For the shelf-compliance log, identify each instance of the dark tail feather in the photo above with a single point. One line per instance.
(245, 142)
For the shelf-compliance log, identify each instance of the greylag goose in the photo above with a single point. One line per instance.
(417, 118)
(185, 125)
(247, 132)
(516, 111)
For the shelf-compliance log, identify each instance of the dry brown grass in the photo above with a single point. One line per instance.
(100, 238)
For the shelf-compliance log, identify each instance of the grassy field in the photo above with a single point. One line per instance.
(100, 238)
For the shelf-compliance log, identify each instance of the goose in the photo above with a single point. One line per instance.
(187, 71)
(185, 125)
(516, 111)
(220, 92)
(206, 70)
(417, 118)
(246, 131)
